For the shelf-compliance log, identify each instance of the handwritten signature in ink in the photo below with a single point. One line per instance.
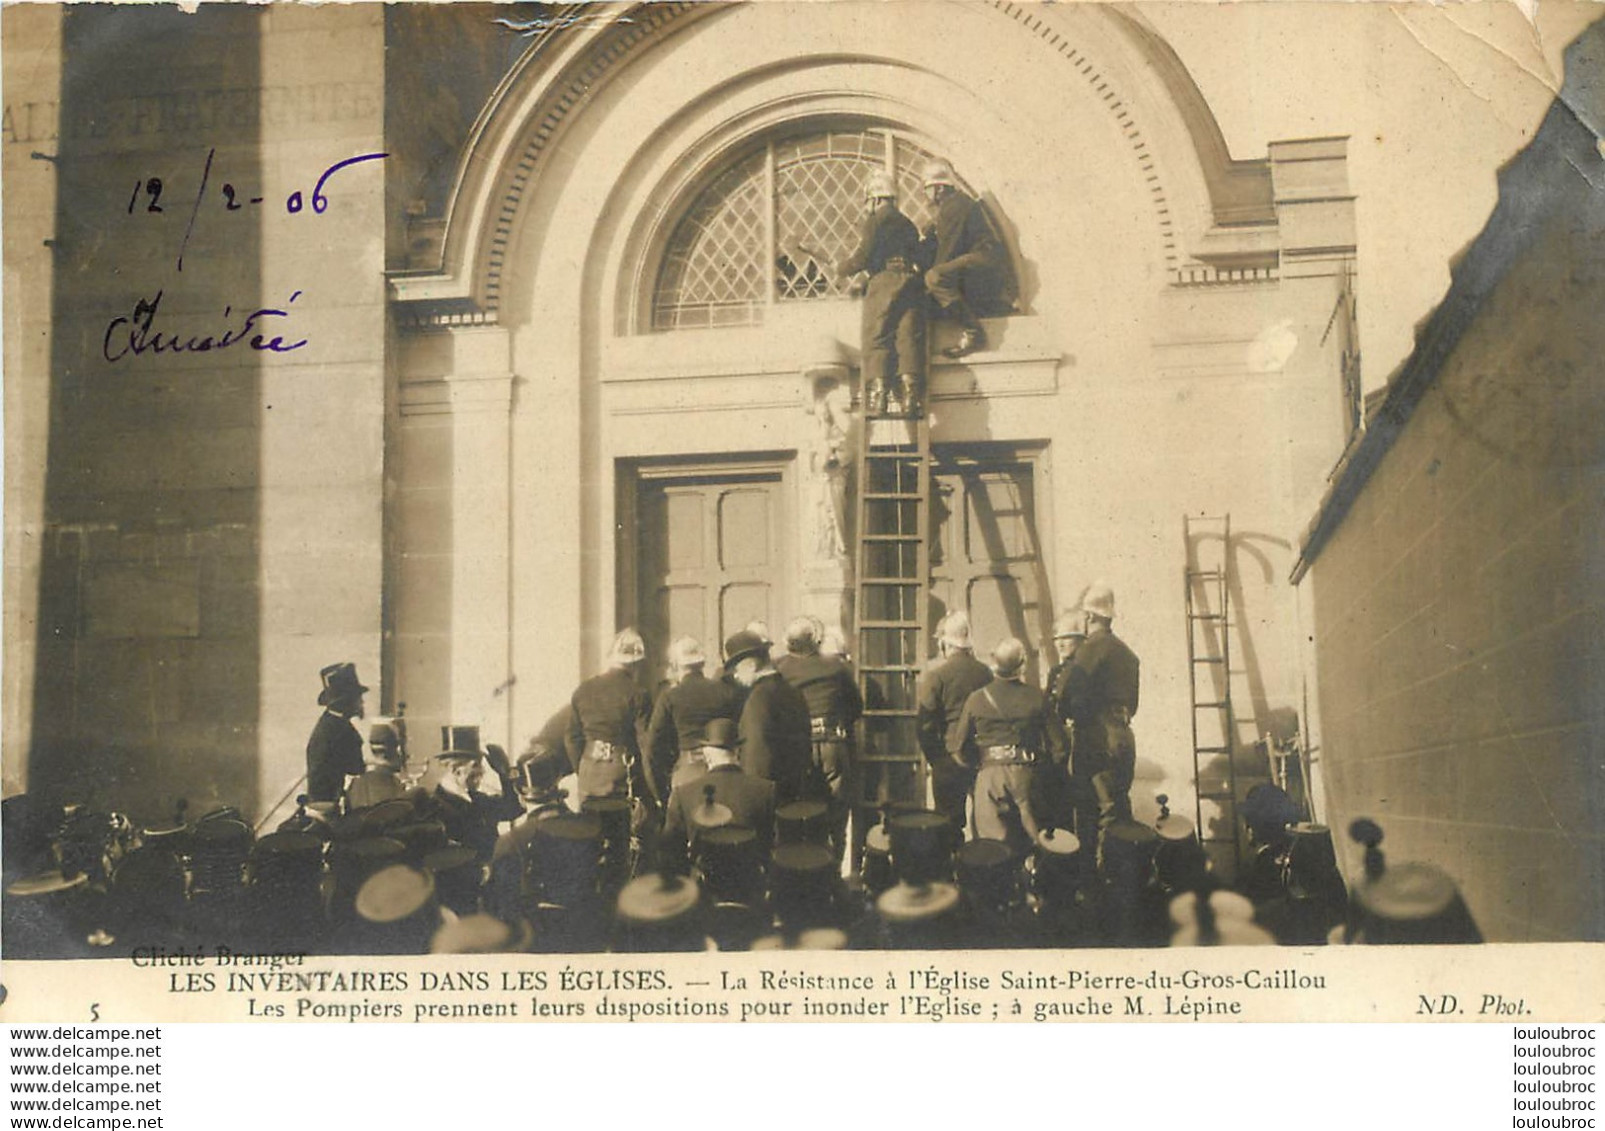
(143, 338)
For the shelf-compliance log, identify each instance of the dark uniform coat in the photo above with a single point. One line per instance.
(610, 708)
(776, 739)
(1101, 691)
(333, 751)
(1101, 695)
(834, 708)
(827, 687)
(964, 262)
(471, 821)
(679, 725)
(751, 802)
(1007, 734)
(893, 315)
(943, 691)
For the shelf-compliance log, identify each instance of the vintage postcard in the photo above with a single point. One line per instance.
(944, 509)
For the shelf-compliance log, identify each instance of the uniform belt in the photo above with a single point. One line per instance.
(1120, 716)
(600, 750)
(899, 264)
(824, 727)
(1007, 756)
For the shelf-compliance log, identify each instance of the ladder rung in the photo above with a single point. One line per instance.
(1207, 616)
(890, 538)
(891, 669)
(1213, 749)
(888, 624)
(1209, 659)
(903, 581)
(888, 713)
(1206, 574)
(1212, 704)
(891, 496)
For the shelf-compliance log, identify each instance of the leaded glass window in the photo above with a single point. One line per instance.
(772, 227)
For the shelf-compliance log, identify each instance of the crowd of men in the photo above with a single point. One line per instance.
(718, 807)
(776, 726)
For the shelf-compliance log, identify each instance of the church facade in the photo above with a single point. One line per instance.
(574, 345)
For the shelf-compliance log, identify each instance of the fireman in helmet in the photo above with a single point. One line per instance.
(894, 306)
(964, 261)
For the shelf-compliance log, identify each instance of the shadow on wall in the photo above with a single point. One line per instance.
(149, 623)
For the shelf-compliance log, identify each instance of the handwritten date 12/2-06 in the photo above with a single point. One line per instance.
(151, 188)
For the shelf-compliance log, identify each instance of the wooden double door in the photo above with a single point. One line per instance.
(707, 550)
(713, 550)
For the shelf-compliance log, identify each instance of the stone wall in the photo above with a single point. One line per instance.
(1458, 613)
(211, 515)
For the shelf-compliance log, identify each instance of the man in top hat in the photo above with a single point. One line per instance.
(776, 735)
(943, 691)
(675, 736)
(1101, 698)
(335, 748)
(469, 815)
(965, 264)
(381, 776)
(748, 800)
(611, 711)
(1005, 732)
(894, 300)
(834, 707)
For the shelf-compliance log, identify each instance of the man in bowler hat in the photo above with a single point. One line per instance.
(335, 748)
(776, 735)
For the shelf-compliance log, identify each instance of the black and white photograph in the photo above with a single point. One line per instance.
(701, 478)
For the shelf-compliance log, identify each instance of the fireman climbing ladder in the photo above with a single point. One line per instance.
(1207, 587)
(892, 600)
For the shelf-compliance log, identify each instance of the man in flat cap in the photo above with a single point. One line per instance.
(611, 711)
(776, 742)
(674, 738)
(943, 691)
(335, 748)
(725, 795)
(471, 816)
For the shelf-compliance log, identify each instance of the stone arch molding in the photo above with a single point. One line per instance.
(1105, 59)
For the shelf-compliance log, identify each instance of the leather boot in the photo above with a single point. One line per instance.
(971, 339)
(875, 398)
(909, 394)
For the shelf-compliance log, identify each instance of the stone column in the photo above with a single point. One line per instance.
(481, 390)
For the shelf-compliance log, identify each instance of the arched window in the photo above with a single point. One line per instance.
(772, 226)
